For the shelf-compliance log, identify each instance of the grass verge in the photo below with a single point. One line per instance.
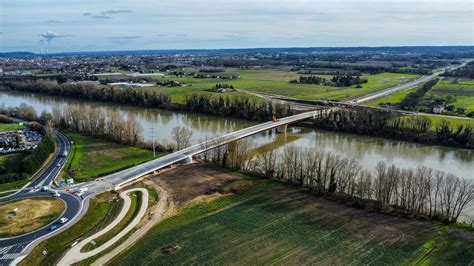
(136, 200)
(101, 211)
(91, 157)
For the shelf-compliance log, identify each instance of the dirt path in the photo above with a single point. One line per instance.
(75, 255)
(158, 214)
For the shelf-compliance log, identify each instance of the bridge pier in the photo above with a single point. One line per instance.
(282, 129)
(188, 160)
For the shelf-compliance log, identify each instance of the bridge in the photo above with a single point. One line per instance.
(119, 179)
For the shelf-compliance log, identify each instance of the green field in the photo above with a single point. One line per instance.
(91, 157)
(277, 82)
(10, 127)
(461, 90)
(274, 224)
(391, 99)
(102, 210)
(453, 121)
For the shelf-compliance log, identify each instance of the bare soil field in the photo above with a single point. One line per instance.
(23, 216)
(191, 181)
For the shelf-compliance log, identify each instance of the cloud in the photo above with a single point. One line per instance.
(107, 14)
(52, 21)
(49, 36)
(101, 16)
(124, 37)
(117, 11)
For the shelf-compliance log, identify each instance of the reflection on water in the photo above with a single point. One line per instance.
(369, 151)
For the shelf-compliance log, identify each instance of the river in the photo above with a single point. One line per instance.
(367, 150)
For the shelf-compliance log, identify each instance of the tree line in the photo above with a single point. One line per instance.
(420, 192)
(145, 98)
(97, 122)
(413, 99)
(389, 124)
(338, 80)
(239, 107)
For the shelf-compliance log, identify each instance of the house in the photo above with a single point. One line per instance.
(438, 109)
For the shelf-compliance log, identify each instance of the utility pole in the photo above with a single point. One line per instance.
(153, 140)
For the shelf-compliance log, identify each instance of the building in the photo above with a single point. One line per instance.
(438, 109)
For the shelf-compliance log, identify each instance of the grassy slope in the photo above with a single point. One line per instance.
(99, 214)
(392, 99)
(277, 82)
(132, 212)
(10, 127)
(12, 185)
(92, 157)
(259, 227)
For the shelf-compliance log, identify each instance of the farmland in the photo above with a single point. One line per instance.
(272, 223)
(459, 93)
(92, 157)
(277, 82)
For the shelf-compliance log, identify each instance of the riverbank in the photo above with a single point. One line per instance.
(367, 149)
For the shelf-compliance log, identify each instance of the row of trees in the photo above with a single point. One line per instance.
(415, 98)
(145, 98)
(338, 80)
(239, 107)
(98, 122)
(420, 192)
(388, 124)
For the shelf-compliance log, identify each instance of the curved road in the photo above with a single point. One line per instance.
(11, 248)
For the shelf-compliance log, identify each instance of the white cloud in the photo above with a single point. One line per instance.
(49, 36)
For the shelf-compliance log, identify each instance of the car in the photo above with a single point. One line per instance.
(56, 194)
(53, 227)
(63, 220)
(58, 165)
(45, 188)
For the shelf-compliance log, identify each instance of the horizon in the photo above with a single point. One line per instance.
(236, 48)
(55, 26)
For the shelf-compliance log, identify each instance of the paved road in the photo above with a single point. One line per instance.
(408, 85)
(12, 248)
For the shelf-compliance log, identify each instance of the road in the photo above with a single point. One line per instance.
(408, 85)
(11, 248)
(75, 255)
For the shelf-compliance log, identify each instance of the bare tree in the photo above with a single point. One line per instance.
(182, 137)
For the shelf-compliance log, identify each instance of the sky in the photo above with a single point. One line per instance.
(105, 25)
